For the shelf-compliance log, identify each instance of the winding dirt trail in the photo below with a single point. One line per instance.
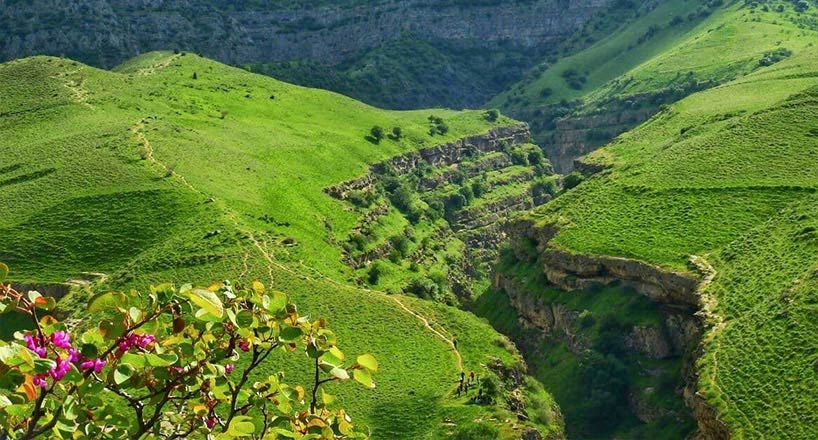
(261, 246)
(431, 329)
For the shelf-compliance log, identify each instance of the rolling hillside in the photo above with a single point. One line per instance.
(175, 167)
(664, 52)
(708, 209)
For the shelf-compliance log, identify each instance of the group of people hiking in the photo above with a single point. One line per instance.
(465, 385)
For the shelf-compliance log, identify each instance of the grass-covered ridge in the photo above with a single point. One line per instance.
(175, 167)
(728, 175)
(652, 59)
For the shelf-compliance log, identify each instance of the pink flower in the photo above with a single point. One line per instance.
(36, 345)
(244, 346)
(59, 371)
(146, 340)
(210, 422)
(229, 368)
(95, 364)
(74, 356)
(133, 340)
(39, 381)
(124, 346)
(61, 339)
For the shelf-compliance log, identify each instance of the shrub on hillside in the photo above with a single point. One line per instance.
(438, 126)
(424, 288)
(377, 133)
(175, 363)
(492, 115)
(572, 180)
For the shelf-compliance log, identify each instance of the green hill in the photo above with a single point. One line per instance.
(657, 56)
(175, 167)
(708, 207)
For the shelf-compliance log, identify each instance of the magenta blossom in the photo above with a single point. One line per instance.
(244, 346)
(39, 381)
(95, 364)
(134, 340)
(74, 356)
(61, 339)
(229, 368)
(210, 422)
(36, 345)
(62, 368)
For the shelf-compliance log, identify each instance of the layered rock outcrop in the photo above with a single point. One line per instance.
(677, 293)
(438, 156)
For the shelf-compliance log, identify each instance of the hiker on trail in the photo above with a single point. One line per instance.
(454, 343)
(462, 377)
(459, 389)
(478, 378)
(471, 376)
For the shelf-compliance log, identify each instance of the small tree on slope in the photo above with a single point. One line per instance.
(176, 363)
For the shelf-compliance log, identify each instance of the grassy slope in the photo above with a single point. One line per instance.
(605, 60)
(148, 174)
(720, 47)
(729, 174)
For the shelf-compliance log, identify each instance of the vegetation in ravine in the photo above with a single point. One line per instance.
(728, 175)
(589, 367)
(174, 167)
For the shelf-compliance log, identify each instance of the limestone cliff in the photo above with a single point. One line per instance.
(677, 293)
(470, 40)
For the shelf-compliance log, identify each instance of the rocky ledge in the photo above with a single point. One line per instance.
(677, 293)
(438, 156)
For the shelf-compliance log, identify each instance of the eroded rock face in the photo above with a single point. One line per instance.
(107, 32)
(438, 156)
(676, 292)
(650, 341)
(579, 135)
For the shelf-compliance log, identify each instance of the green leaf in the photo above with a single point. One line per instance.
(4, 401)
(4, 272)
(111, 329)
(327, 398)
(364, 377)
(244, 319)
(277, 302)
(290, 334)
(134, 360)
(339, 373)
(241, 426)
(161, 361)
(107, 301)
(123, 373)
(208, 301)
(368, 361)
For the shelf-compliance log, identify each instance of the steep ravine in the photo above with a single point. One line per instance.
(678, 305)
(409, 210)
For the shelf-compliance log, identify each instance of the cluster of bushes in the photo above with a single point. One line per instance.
(775, 56)
(574, 79)
(378, 133)
(492, 115)
(438, 126)
(361, 199)
(432, 287)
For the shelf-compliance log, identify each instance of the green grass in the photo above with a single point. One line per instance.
(150, 175)
(699, 52)
(727, 174)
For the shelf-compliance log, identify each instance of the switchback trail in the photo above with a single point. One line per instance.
(138, 132)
